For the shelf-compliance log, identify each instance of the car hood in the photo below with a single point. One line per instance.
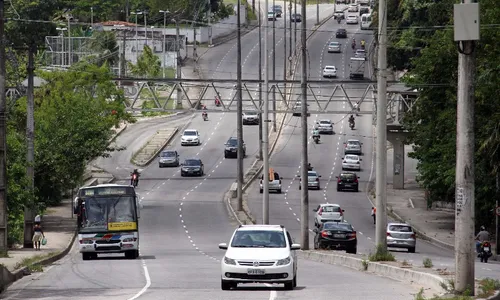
(257, 253)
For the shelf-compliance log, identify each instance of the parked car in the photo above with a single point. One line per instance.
(347, 181)
(401, 235)
(168, 158)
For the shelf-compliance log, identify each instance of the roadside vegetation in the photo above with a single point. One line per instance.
(486, 288)
(424, 47)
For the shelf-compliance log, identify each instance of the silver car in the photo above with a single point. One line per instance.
(360, 53)
(328, 213)
(168, 158)
(250, 117)
(351, 162)
(334, 47)
(401, 235)
(312, 180)
(324, 126)
(353, 147)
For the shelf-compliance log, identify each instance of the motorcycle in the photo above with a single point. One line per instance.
(316, 139)
(339, 20)
(485, 252)
(205, 116)
(134, 181)
(353, 45)
(217, 102)
(351, 124)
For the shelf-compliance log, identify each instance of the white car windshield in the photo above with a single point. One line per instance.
(258, 239)
(351, 157)
(330, 209)
(190, 133)
(325, 122)
(250, 113)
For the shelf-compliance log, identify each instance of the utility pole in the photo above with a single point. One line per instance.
(317, 12)
(70, 59)
(239, 113)
(466, 32)
(30, 154)
(178, 51)
(303, 86)
(381, 129)
(260, 84)
(290, 41)
(295, 28)
(127, 10)
(497, 220)
(123, 61)
(3, 137)
(284, 48)
(209, 17)
(164, 39)
(195, 53)
(265, 127)
(274, 68)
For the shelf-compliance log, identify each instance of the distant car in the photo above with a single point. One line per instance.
(259, 253)
(274, 182)
(271, 16)
(336, 235)
(364, 10)
(339, 14)
(250, 117)
(334, 47)
(351, 162)
(231, 148)
(360, 53)
(341, 33)
(297, 110)
(168, 158)
(190, 137)
(192, 167)
(328, 213)
(401, 235)
(329, 71)
(278, 10)
(324, 126)
(352, 19)
(347, 181)
(296, 18)
(312, 180)
(353, 8)
(353, 147)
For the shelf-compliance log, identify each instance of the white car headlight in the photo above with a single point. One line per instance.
(229, 261)
(284, 261)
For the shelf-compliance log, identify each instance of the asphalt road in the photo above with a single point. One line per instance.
(182, 222)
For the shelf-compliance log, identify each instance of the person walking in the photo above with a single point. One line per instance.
(38, 236)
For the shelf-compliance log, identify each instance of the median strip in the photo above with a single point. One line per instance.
(150, 150)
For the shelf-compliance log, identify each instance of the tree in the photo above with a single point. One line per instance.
(104, 44)
(432, 121)
(148, 65)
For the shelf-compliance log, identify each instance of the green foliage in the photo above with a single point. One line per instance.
(104, 44)
(432, 121)
(381, 254)
(148, 65)
(427, 262)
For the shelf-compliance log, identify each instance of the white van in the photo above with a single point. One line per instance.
(366, 21)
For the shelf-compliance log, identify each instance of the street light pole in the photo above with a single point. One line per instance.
(239, 120)
(265, 127)
(164, 38)
(178, 61)
(290, 41)
(92, 17)
(69, 43)
(274, 67)
(260, 84)
(145, 27)
(295, 29)
(136, 35)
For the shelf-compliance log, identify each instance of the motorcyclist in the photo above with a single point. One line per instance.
(309, 167)
(363, 44)
(351, 120)
(338, 20)
(316, 133)
(482, 236)
(217, 101)
(137, 174)
(353, 43)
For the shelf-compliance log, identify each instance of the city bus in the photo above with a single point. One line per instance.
(108, 220)
(366, 21)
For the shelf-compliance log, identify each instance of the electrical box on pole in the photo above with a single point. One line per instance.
(466, 21)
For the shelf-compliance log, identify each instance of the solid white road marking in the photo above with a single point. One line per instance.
(148, 282)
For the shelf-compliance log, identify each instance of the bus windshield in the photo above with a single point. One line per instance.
(99, 211)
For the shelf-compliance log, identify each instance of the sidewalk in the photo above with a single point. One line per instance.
(436, 224)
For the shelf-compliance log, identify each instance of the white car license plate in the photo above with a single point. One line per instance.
(256, 272)
(486, 249)
(337, 235)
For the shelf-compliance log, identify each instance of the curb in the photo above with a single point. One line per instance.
(117, 133)
(157, 151)
(402, 274)
(495, 296)
(144, 119)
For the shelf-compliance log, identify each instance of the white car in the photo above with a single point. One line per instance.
(271, 16)
(259, 253)
(351, 162)
(328, 213)
(324, 126)
(351, 19)
(330, 71)
(360, 53)
(352, 8)
(250, 117)
(190, 137)
(274, 182)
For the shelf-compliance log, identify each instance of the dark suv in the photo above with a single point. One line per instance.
(341, 33)
(192, 167)
(231, 149)
(347, 181)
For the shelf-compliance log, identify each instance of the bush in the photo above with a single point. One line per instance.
(381, 254)
(427, 262)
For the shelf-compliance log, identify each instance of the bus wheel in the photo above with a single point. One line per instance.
(131, 254)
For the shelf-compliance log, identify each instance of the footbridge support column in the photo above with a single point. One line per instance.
(397, 135)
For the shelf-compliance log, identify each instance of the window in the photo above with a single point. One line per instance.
(168, 154)
(330, 209)
(290, 239)
(400, 228)
(348, 176)
(190, 133)
(258, 239)
(337, 226)
(276, 176)
(192, 162)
